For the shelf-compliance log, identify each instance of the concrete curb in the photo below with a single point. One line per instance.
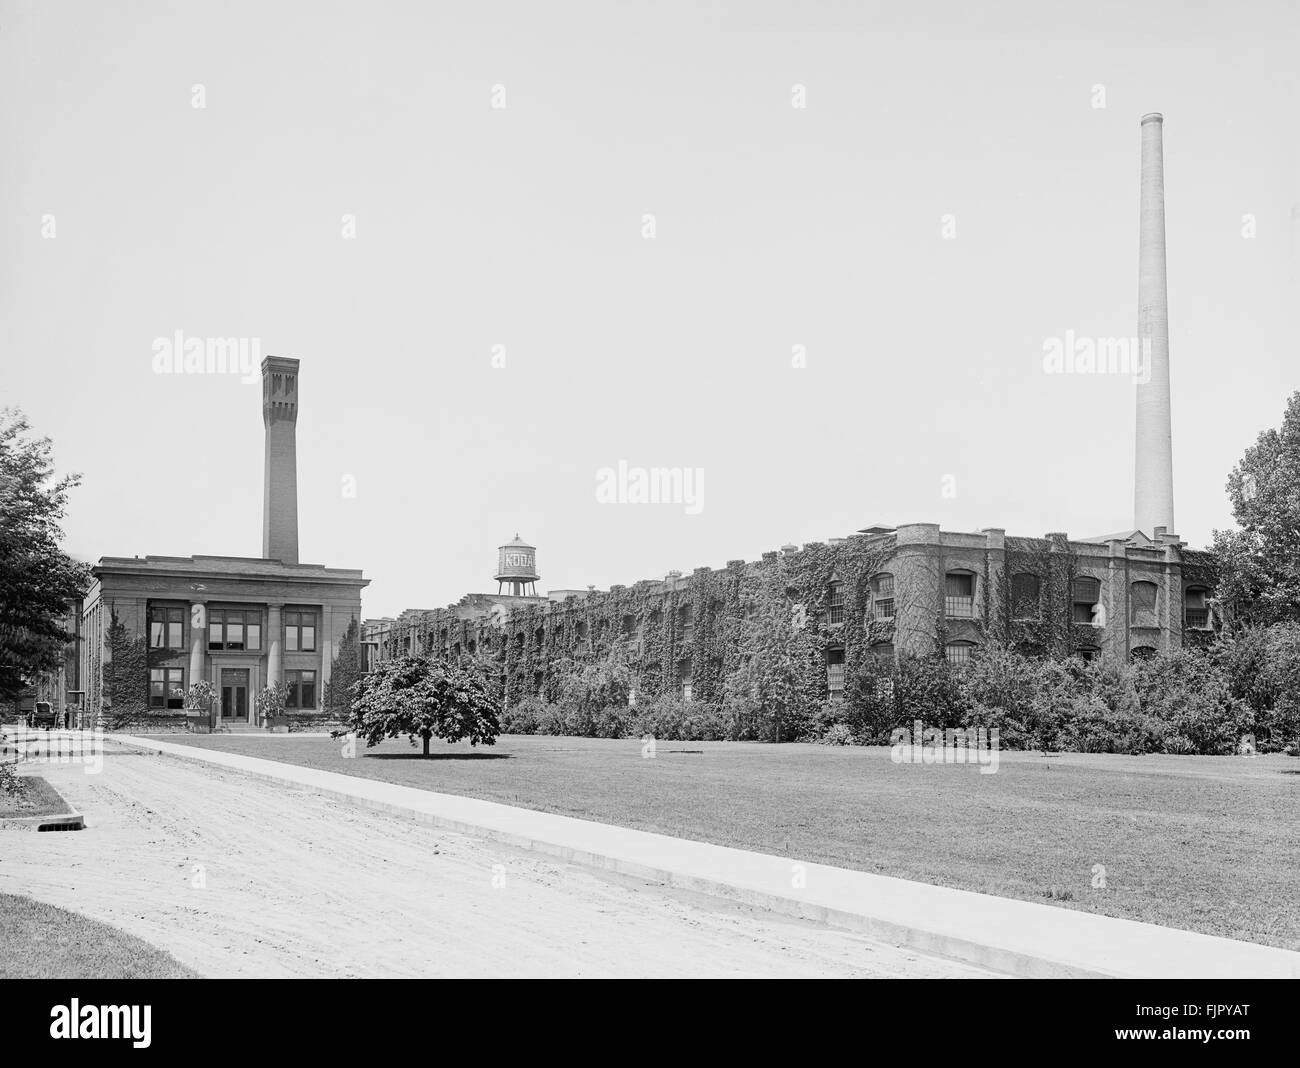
(1020, 938)
(72, 820)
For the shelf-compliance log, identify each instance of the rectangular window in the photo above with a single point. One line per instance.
(301, 689)
(835, 603)
(235, 629)
(300, 632)
(882, 608)
(165, 686)
(835, 678)
(1085, 594)
(166, 627)
(959, 596)
(1142, 604)
(835, 672)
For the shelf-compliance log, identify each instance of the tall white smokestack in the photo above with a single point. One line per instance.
(1153, 487)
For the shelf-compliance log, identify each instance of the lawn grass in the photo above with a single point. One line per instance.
(37, 798)
(39, 941)
(1209, 844)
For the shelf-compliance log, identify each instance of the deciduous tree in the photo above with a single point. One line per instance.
(419, 697)
(37, 578)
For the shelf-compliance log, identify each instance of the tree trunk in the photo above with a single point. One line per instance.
(425, 736)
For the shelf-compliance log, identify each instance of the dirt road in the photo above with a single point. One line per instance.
(237, 877)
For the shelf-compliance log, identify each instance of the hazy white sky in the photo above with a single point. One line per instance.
(522, 227)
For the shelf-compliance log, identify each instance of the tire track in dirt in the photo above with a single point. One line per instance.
(236, 876)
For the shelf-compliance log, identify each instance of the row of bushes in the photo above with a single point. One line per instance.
(1192, 701)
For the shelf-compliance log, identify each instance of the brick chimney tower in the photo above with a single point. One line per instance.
(1153, 485)
(280, 489)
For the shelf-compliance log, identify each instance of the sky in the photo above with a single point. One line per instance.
(814, 251)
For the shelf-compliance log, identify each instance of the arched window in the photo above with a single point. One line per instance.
(835, 672)
(959, 594)
(1026, 597)
(629, 625)
(539, 636)
(1087, 652)
(958, 652)
(1142, 604)
(686, 617)
(883, 651)
(472, 647)
(1196, 608)
(835, 602)
(1142, 652)
(584, 646)
(656, 617)
(1085, 594)
(882, 598)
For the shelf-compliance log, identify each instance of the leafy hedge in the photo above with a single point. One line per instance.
(1196, 700)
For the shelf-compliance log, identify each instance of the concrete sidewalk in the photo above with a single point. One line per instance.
(1016, 937)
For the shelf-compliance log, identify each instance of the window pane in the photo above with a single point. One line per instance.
(175, 615)
(254, 636)
(1143, 604)
(234, 635)
(308, 691)
(155, 635)
(291, 639)
(215, 632)
(174, 638)
(308, 639)
(156, 675)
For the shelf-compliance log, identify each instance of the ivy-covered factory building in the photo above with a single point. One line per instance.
(879, 594)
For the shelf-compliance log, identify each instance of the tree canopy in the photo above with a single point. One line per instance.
(419, 697)
(37, 578)
(1259, 562)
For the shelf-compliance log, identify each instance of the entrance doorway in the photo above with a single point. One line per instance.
(234, 695)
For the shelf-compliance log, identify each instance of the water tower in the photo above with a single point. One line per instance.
(517, 568)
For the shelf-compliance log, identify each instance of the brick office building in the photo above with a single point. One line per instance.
(885, 591)
(150, 627)
(881, 593)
